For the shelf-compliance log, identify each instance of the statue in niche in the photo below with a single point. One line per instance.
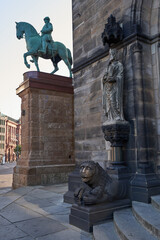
(113, 88)
(97, 186)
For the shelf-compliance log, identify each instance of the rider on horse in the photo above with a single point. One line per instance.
(46, 35)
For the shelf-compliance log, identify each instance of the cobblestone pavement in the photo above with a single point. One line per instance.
(37, 212)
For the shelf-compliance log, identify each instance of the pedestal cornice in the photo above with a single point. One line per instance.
(45, 81)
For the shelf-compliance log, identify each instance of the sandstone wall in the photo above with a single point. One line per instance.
(139, 52)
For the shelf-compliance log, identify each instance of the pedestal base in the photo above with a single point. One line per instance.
(84, 217)
(47, 122)
(143, 186)
(74, 182)
(116, 132)
(44, 175)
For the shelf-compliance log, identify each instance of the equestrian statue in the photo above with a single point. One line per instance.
(43, 46)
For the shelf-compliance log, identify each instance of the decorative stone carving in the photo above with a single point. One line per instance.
(113, 33)
(113, 88)
(97, 185)
(116, 133)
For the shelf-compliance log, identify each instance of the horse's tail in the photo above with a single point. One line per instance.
(69, 56)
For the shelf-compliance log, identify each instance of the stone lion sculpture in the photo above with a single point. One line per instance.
(97, 185)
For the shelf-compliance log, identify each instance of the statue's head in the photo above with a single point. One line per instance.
(46, 19)
(113, 54)
(87, 171)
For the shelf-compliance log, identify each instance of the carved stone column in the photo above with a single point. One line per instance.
(145, 182)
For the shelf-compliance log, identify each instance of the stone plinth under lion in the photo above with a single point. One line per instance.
(97, 197)
(47, 130)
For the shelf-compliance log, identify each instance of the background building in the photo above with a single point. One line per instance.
(2, 136)
(10, 137)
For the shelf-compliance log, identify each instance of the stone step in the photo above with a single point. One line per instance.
(105, 231)
(128, 227)
(155, 200)
(148, 216)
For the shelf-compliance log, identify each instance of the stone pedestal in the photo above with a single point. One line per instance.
(84, 217)
(145, 183)
(74, 182)
(47, 130)
(117, 133)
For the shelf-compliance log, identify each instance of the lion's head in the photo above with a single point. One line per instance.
(88, 170)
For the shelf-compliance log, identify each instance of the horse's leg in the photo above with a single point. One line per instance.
(68, 65)
(35, 60)
(30, 52)
(55, 66)
(64, 56)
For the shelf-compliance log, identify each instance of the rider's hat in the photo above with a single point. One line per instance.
(47, 18)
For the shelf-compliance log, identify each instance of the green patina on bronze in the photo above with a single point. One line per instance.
(43, 46)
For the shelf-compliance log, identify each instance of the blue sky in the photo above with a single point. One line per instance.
(12, 49)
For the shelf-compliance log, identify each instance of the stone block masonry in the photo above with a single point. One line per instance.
(47, 130)
(139, 53)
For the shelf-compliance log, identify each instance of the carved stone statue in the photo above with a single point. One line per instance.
(113, 88)
(97, 185)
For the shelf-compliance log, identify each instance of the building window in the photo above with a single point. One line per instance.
(1, 137)
(2, 130)
(1, 146)
(2, 122)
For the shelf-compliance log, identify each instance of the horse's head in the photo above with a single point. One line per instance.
(19, 30)
(24, 28)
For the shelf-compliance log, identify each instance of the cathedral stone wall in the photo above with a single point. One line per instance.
(139, 51)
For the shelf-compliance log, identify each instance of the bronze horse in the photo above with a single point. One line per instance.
(56, 51)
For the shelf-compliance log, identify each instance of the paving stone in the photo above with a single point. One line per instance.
(67, 235)
(20, 191)
(56, 209)
(63, 204)
(61, 217)
(15, 213)
(5, 190)
(6, 200)
(42, 206)
(58, 188)
(30, 202)
(3, 221)
(35, 207)
(26, 238)
(42, 194)
(40, 226)
(11, 232)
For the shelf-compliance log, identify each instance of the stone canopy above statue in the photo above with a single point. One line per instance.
(43, 46)
(112, 33)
